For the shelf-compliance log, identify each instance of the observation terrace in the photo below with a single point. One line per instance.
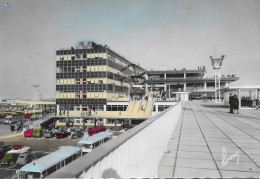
(190, 79)
(186, 140)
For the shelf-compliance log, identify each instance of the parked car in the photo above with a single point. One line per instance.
(9, 158)
(49, 134)
(77, 134)
(5, 148)
(62, 135)
(7, 119)
(38, 155)
(28, 133)
(19, 149)
(24, 159)
(37, 132)
(2, 154)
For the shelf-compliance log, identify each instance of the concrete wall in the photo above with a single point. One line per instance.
(136, 153)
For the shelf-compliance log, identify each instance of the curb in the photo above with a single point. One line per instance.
(12, 135)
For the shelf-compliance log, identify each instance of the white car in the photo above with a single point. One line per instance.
(19, 149)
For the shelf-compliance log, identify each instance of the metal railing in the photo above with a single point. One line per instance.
(136, 153)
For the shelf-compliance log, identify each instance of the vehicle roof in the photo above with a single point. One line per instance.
(96, 128)
(96, 137)
(17, 146)
(51, 159)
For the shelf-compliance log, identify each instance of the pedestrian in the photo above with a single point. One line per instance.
(236, 104)
(231, 103)
(254, 102)
(257, 103)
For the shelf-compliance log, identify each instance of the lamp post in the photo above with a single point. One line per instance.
(217, 63)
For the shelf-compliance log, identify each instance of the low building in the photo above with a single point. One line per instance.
(172, 83)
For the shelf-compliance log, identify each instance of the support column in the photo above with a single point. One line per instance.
(205, 86)
(169, 91)
(130, 122)
(184, 75)
(184, 87)
(215, 77)
(165, 87)
(80, 107)
(58, 110)
(146, 85)
(219, 84)
(239, 99)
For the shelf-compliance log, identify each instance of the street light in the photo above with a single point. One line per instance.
(217, 63)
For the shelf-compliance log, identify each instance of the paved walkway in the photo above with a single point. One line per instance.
(210, 142)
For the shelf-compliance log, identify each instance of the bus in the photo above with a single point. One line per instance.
(89, 143)
(95, 130)
(50, 163)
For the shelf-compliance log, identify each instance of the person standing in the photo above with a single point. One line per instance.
(257, 103)
(236, 103)
(231, 102)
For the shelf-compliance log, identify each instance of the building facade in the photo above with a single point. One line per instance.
(90, 75)
(195, 82)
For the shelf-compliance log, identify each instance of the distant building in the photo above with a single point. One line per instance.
(172, 82)
(90, 75)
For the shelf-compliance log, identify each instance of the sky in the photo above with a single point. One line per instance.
(159, 35)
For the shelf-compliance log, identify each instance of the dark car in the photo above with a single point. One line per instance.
(37, 155)
(2, 154)
(49, 134)
(5, 148)
(24, 159)
(62, 135)
(77, 134)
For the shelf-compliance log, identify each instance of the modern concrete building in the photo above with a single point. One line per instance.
(171, 83)
(91, 75)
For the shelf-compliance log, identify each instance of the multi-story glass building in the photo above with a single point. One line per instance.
(91, 75)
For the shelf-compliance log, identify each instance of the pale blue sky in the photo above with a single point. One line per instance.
(156, 34)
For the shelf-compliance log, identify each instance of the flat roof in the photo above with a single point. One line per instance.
(94, 138)
(175, 71)
(51, 159)
(245, 87)
(35, 102)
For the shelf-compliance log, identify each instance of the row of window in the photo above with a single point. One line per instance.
(80, 51)
(81, 101)
(87, 62)
(117, 107)
(92, 88)
(108, 75)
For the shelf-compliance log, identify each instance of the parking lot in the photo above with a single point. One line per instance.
(38, 145)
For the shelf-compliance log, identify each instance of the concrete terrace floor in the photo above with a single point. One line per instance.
(210, 142)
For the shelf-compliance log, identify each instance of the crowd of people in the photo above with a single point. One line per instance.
(234, 103)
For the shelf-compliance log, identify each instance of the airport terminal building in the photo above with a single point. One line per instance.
(94, 77)
(91, 75)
